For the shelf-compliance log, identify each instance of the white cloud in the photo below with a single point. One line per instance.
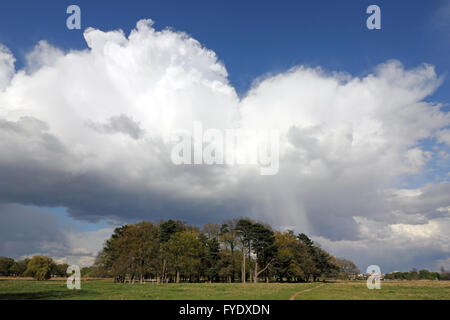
(83, 246)
(441, 18)
(90, 131)
(396, 246)
(6, 67)
(443, 136)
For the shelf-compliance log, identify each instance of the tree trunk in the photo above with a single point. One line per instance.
(257, 273)
(163, 274)
(250, 264)
(178, 276)
(243, 264)
(232, 262)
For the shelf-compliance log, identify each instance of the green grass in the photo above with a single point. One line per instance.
(51, 290)
(390, 290)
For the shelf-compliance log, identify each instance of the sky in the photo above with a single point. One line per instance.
(86, 118)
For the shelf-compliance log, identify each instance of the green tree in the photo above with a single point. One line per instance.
(228, 237)
(289, 250)
(132, 251)
(166, 231)
(40, 268)
(60, 270)
(184, 251)
(229, 264)
(19, 267)
(324, 264)
(6, 266)
(264, 247)
(306, 240)
(244, 231)
(347, 269)
(413, 274)
(212, 257)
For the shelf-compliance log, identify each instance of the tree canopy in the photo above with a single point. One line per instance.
(239, 249)
(235, 250)
(40, 268)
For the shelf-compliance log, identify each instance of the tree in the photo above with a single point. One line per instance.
(347, 268)
(166, 231)
(244, 230)
(60, 270)
(210, 261)
(295, 258)
(184, 250)
(306, 240)
(414, 275)
(132, 251)
(19, 267)
(289, 250)
(211, 230)
(143, 247)
(228, 236)
(6, 266)
(229, 264)
(427, 275)
(263, 241)
(40, 268)
(444, 274)
(325, 264)
(211, 258)
(307, 267)
(86, 271)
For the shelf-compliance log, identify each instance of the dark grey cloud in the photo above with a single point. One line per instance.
(26, 230)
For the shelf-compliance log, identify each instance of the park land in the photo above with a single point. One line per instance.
(334, 290)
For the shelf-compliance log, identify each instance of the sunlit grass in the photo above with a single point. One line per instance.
(104, 290)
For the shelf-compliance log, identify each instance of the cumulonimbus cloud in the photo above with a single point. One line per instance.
(90, 130)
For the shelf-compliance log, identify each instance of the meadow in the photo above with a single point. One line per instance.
(332, 290)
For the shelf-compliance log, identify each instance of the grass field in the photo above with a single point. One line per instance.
(105, 290)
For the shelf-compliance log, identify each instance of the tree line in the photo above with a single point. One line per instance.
(38, 267)
(423, 274)
(236, 250)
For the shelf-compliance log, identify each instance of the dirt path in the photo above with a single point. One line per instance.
(303, 291)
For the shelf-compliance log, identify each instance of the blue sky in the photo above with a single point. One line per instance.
(256, 39)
